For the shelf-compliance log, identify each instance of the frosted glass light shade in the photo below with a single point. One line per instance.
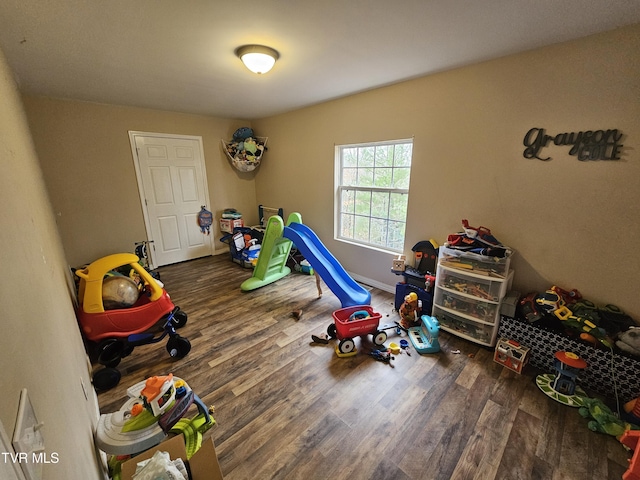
(257, 58)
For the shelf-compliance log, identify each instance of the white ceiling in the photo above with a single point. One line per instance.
(178, 55)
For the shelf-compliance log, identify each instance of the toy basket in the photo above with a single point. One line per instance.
(346, 328)
(239, 159)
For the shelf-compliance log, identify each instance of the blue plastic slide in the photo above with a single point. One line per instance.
(348, 291)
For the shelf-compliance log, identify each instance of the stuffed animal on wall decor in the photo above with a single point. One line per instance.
(410, 311)
(629, 341)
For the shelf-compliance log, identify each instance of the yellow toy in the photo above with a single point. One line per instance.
(410, 311)
(114, 333)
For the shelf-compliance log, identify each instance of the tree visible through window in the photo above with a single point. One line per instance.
(373, 192)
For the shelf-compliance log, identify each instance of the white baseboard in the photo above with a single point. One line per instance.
(373, 283)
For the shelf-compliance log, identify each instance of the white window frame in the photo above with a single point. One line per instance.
(340, 188)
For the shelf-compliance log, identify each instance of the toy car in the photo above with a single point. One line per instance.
(549, 301)
(113, 333)
(353, 322)
(529, 308)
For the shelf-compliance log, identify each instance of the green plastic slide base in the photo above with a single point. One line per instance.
(274, 253)
(254, 282)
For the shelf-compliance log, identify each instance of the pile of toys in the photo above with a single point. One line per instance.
(156, 408)
(477, 240)
(244, 245)
(245, 150)
(567, 312)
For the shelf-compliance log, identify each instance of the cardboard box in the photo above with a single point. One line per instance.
(228, 224)
(203, 465)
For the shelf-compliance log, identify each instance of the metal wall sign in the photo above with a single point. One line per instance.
(588, 145)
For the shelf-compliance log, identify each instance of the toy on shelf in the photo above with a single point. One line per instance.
(511, 354)
(355, 321)
(425, 337)
(588, 330)
(398, 264)
(155, 409)
(478, 241)
(562, 386)
(113, 334)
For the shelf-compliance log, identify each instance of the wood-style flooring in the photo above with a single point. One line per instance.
(287, 408)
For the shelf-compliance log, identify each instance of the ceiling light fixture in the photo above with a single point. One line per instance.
(257, 58)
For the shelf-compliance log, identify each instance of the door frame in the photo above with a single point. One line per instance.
(136, 163)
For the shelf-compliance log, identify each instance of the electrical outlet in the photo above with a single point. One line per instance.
(28, 441)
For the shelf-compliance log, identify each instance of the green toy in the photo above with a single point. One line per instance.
(603, 420)
(274, 253)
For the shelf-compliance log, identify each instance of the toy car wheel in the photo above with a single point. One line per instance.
(178, 347)
(106, 378)
(380, 337)
(331, 330)
(346, 346)
(110, 352)
(180, 319)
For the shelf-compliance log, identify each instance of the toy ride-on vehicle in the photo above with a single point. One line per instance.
(355, 321)
(114, 319)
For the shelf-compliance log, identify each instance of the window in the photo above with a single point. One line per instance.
(373, 192)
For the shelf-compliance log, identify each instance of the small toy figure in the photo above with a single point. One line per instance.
(410, 311)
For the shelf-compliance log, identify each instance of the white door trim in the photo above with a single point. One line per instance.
(136, 163)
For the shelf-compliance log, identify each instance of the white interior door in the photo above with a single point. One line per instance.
(172, 182)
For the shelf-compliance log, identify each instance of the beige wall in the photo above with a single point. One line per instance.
(40, 346)
(86, 158)
(569, 221)
(572, 223)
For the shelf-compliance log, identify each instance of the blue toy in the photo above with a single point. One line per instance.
(425, 337)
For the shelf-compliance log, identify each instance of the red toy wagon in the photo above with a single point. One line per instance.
(355, 321)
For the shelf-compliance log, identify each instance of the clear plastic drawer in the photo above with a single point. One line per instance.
(478, 286)
(473, 307)
(477, 332)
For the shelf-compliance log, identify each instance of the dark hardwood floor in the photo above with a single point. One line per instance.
(288, 408)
